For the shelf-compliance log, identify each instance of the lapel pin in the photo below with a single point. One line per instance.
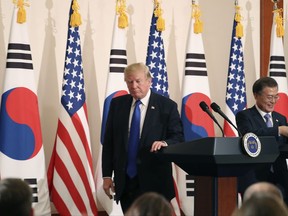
(152, 107)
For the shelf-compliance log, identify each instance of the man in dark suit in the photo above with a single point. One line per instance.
(262, 120)
(160, 126)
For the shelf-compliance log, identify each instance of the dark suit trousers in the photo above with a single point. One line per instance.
(130, 193)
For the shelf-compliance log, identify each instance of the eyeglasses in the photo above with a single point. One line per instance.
(272, 97)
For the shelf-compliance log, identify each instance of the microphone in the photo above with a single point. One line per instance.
(217, 109)
(205, 108)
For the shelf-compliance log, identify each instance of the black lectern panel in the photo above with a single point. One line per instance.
(220, 160)
(284, 150)
(219, 156)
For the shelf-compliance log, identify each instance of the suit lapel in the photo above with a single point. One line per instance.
(149, 117)
(125, 119)
(257, 116)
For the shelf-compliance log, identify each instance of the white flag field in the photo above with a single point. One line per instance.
(116, 86)
(277, 69)
(21, 147)
(196, 123)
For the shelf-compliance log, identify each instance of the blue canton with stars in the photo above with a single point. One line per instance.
(236, 87)
(155, 60)
(73, 94)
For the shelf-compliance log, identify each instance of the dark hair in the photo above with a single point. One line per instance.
(150, 204)
(15, 197)
(263, 82)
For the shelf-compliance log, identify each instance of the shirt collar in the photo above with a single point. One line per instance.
(262, 113)
(144, 100)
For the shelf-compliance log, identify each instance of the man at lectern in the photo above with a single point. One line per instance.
(262, 120)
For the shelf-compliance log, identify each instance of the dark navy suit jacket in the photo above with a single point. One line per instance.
(250, 120)
(162, 122)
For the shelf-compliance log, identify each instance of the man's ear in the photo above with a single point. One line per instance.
(255, 95)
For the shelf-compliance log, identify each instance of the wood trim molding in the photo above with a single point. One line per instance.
(266, 17)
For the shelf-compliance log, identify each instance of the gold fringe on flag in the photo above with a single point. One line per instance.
(21, 14)
(123, 21)
(279, 22)
(160, 24)
(75, 19)
(196, 13)
(239, 26)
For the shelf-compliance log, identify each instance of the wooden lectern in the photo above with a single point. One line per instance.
(217, 162)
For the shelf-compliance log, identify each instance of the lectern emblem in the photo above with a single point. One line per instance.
(251, 144)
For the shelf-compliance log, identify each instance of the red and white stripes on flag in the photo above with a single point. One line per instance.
(21, 147)
(277, 69)
(196, 123)
(116, 86)
(70, 174)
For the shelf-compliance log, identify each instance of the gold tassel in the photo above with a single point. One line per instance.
(75, 19)
(196, 13)
(279, 23)
(123, 21)
(21, 14)
(239, 26)
(160, 24)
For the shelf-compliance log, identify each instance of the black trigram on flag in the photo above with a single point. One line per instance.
(195, 64)
(19, 56)
(33, 185)
(277, 66)
(190, 185)
(118, 61)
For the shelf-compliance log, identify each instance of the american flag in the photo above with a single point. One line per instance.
(155, 60)
(236, 87)
(71, 181)
(277, 68)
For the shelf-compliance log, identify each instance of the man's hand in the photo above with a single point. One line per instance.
(157, 145)
(107, 185)
(283, 130)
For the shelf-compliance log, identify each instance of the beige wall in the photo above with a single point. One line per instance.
(47, 20)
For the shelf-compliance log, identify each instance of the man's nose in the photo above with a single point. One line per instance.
(134, 84)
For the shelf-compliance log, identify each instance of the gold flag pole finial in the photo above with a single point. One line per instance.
(160, 24)
(238, 17)
(75, 19)
(21, 14)
(122, 12)
(196, 13)
(278, 19)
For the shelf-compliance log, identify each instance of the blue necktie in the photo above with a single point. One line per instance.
(268, 121)
(134, 141)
